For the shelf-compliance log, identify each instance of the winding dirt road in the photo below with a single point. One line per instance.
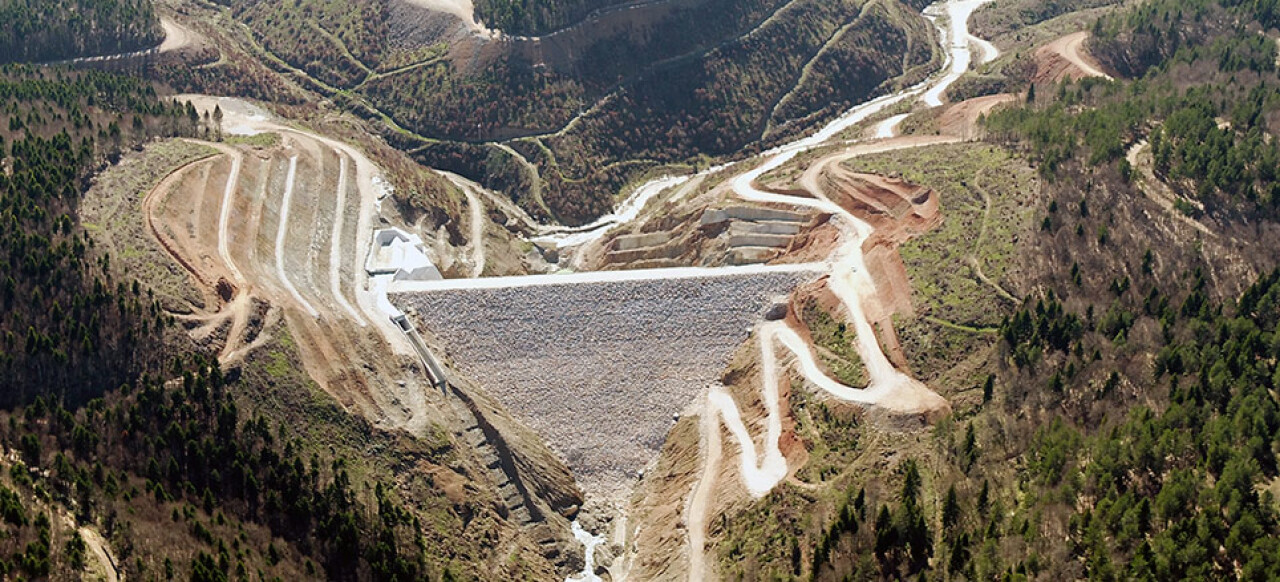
(761, 468)
(176, 37)
(959, 57)
(1072, 49)
(849, 280)
(1066, 58)
(98, 548)
(1156, 189)
(477, 232)
(497, 200)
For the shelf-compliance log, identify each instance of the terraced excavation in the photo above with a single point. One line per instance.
(279, 232)
(827, 189)
(283, 232)
(640, 290)
(624, 345)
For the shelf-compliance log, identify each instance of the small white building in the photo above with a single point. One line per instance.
(401, 255)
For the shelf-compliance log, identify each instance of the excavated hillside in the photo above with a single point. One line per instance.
(962, 330)
(259, 247)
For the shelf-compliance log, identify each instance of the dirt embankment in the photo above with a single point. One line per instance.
(961, 119)
(177, 37)
(711, 228)
(1066, 58)
(897, 211)
(277, 228)
(98, 548)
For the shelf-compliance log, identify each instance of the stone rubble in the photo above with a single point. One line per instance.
(599, 369)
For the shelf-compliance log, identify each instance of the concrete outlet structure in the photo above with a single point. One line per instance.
(401, 255)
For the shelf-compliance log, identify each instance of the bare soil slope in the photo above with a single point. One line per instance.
(1066, 58)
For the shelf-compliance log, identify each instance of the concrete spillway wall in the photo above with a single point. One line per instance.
(670, 251)
(751, 213)
(787, 228)
(759, 240)
(631, 242)
(434, 370)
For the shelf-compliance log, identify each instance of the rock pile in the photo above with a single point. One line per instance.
(599, 369)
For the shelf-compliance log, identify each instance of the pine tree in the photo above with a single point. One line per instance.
(950, 509)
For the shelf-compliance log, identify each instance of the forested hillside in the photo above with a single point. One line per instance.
(1211, 140)
(1159, 34)
(1015, 15)
(744, 93)
(121, 431)
(536, 17)
(49, 30)
(1156, 450)
(594, 110)
(1176, 485)
(70, 331)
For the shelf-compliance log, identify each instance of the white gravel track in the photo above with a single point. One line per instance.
(335, 248)
(281, 233)
(849, 281)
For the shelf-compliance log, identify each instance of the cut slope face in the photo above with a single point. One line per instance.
(281, 233)
(599, 368)
(1066, 58)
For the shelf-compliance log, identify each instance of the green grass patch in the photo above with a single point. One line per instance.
(259, 140)
(277, 365)
(984, 195)
(835, 340)
(832, 432)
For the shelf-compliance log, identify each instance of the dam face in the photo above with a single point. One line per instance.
(600, 368)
